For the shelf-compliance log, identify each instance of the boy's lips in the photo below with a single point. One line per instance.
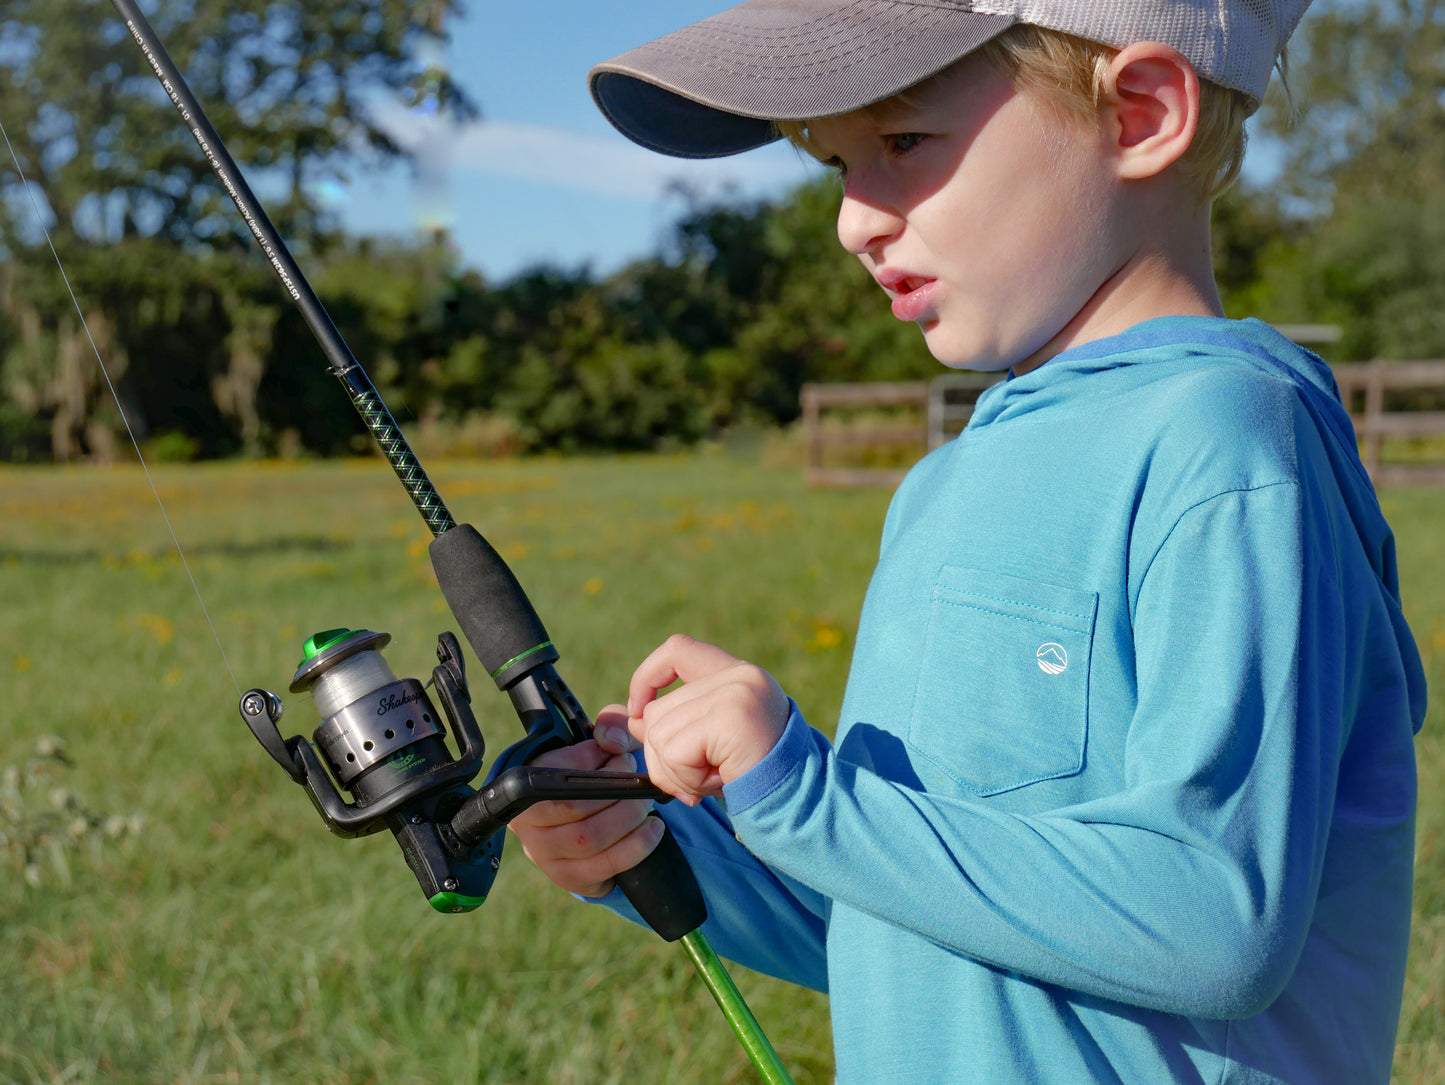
(912, 294)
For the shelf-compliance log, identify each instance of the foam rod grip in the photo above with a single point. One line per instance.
(488, 603)
(664, 891)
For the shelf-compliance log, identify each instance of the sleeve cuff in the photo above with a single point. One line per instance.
(768, 775)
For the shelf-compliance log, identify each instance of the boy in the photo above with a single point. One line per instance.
(1123, 788)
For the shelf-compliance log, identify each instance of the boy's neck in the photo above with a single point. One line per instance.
(1171, 273)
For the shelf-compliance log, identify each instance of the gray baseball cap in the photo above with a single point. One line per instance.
(715, 87)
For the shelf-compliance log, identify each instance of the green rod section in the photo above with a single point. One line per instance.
(730, 1001)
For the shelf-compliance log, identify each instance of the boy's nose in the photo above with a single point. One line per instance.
(864, 227)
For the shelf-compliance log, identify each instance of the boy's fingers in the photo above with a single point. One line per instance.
(577, 838)
(590, 870)
(610, 730)
(581, 755)
(591, 756)
(569, 811)
(679, 658)
(677, 757)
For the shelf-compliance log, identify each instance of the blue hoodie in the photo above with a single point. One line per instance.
(1124, 784)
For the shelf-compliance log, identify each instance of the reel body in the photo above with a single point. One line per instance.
(382, 740)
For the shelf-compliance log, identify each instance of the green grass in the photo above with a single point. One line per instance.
(233, 941)
(1418, 516)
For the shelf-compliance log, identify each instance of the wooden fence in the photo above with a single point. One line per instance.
(870, 434)
(1374, 393)
(845, 438)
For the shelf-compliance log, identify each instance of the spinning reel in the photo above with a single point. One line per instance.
(382, 740)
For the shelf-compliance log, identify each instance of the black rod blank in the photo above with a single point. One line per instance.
(359, 389)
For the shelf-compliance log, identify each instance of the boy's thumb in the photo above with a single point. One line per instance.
(611, 733)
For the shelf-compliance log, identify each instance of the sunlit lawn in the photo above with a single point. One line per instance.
(232, 940)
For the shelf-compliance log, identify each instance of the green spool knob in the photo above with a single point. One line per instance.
(319, 642)
(329, 647)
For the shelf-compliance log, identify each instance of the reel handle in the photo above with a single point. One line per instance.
(504, 797)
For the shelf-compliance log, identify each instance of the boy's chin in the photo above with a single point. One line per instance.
(975, 357)
(977, 365)
(972, 362)
(979, 357)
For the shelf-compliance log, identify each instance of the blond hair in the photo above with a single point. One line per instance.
(1072, 73)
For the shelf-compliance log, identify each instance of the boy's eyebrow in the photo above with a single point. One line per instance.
(907, 103)
(890, 111)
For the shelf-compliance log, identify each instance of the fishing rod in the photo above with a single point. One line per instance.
(381, 738)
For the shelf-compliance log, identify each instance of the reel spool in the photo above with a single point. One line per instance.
(369, 716)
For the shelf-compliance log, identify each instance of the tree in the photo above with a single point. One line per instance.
(1365, 164)
(127, 194)
(763, 292)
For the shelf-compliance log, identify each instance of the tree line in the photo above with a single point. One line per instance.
(719, 328)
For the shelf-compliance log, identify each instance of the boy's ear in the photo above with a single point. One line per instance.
(1150, 109)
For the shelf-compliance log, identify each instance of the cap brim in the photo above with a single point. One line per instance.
(715, 88)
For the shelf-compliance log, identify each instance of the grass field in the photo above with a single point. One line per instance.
(231, 940)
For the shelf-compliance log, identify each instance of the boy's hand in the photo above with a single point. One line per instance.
(706, 733)
(583, 845)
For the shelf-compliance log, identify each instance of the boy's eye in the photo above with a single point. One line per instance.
(903, 142)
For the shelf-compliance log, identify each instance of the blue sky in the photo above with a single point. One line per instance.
(543, 178)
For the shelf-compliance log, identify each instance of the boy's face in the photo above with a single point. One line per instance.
(984, 213)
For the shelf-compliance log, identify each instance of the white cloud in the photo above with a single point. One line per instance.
(599, 165)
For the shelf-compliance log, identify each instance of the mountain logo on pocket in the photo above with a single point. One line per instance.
(1052, 658)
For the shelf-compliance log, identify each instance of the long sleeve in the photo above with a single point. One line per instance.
(1187, 890)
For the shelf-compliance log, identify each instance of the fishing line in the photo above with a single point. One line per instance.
(114, 395)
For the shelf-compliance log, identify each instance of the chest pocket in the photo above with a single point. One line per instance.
(1003, 688)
